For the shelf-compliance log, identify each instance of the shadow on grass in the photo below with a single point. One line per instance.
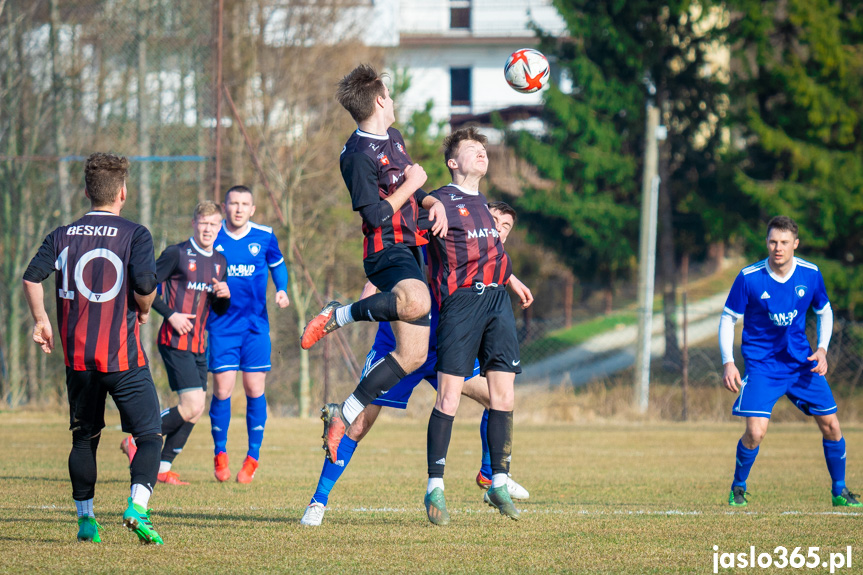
(54, 479)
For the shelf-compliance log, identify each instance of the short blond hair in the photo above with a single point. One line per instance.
(206, 208)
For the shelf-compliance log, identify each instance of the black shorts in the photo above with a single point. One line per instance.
(186, 370)
(393, 264)
(477, 324)
(133, 393)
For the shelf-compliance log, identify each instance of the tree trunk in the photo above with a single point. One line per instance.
(146, 197)
(58, 114)
(667, 260)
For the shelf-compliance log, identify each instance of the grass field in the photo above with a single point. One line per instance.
(605, 498)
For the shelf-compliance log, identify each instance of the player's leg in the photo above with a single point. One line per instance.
(86, 420)
(187, 375)
(220, 419)
(812, 395)
(501, 386)
(834, 455)
(331, 472)
(223, 352)
(747, 451)
(437, 444)
(410, 354)
(134, 394)
(254, 384)
(476, 388)
(387, 269)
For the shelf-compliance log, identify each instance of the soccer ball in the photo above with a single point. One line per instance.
(526, 70)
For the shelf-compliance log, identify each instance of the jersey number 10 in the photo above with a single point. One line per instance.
(62, 265)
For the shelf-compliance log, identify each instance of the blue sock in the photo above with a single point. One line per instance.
(834, 454)
(256, 420)
(745, 459)
(486, 454)
(332, 471)
(220, 419)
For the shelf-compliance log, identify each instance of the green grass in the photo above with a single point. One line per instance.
(605, 498)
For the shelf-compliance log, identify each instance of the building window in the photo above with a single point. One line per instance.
(459, 14)
(459, 86)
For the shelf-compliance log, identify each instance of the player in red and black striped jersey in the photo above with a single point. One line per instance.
(193, 279)
(106, 281)
(470, 270)
(385, 189)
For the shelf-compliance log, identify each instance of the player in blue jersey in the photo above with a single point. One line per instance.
(240, 339)
(398, 396)
(774, 295)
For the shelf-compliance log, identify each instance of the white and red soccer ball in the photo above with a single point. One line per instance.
(526, 70)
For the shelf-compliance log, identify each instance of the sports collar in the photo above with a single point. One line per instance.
(237, 236)
(465, 190)
(199, 249)
(778, 278)
(373, 136)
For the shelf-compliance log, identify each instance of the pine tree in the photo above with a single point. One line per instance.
(798, 99)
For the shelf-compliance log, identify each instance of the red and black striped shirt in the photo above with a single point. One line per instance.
(99, 260)
(373, 168)
(186, 272)
(471, 252)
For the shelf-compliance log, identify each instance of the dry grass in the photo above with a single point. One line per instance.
(623, 496)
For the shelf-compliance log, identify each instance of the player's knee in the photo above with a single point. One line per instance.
(753, 437)
(413, 302)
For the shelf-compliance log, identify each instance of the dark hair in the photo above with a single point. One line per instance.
(503, 208)
(358, 91)
(783, 224)
(104, 176)
(452, 142)
(206, 208)
(241, 189)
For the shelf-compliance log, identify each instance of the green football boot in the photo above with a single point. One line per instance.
(436, 507)
(498, 497)
(88, 530)
(846, 499)
(737, 497)
(137, 519)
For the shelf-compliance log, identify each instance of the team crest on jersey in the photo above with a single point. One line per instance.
(463, 210)
(383, 158)
(255, 249)
(192, 265)
(800, 290)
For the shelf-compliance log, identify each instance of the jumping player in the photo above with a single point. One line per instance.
(384, 185)
(469, 270)
(192, 276)
(240, 338)
(105, 276)
(774, 295)
(398, 396)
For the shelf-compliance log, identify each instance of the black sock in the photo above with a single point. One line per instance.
(145, 466)
(379, 307)
(499, 439)
(82, 466)
(437, 441)
(175, 442)
(172, 421)
(383, 375)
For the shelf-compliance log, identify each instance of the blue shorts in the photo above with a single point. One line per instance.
(807, 390)
(245, 351)
(398, 395)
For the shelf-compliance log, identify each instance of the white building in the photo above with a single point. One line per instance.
(454, 52)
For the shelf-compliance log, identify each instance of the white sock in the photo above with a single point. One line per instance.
(343, 315)
(85, 508)
(351, 408)
(141, 495)
(434, 482)
(498, 480)
(164, 466)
